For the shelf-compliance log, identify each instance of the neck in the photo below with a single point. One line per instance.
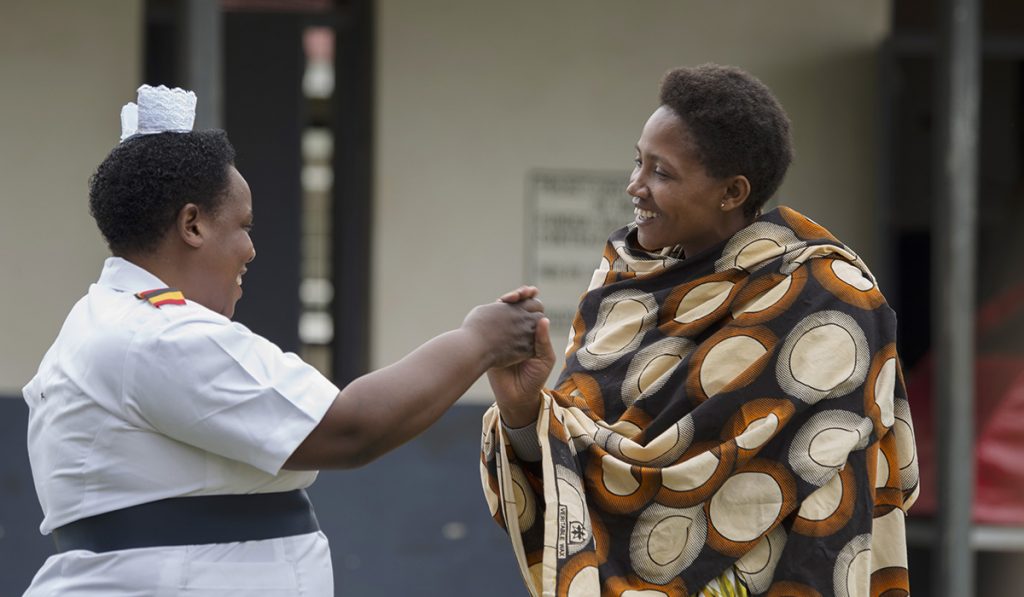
(733, 222)
(169, 268)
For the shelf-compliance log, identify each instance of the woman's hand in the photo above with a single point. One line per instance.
(517, 386)
(506, 328)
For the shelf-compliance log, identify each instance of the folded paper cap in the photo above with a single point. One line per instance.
(159, 110)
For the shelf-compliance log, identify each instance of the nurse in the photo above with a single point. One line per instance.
(170, 446)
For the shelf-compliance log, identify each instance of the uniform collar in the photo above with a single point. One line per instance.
(120, 274)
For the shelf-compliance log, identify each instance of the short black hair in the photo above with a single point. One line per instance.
(737, 125)
(138, 190)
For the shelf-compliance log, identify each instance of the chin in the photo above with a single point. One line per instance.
(229, 309)
(649, 244)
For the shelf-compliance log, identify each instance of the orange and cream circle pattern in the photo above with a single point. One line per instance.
(693, 480)
(903, 429)
(662, 450)
(728, 361)
(822, 445)
(829, 508)
(619, 487)
(756, 423)
(852, 576)
(756, 245)
(633, 586)
(788, 588)
(525, 502)
(758, 565)
(580, 577)
(768, 297)
(690, 308)
(880, 389)
(652, 367)
(622, 320)
(889, 494)
(887, 557)
(748, 505)
(666, 540)
(825, 355)
(847, 282)
(804, 227)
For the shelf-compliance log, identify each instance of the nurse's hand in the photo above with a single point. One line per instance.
(517, 387)
(506, 329)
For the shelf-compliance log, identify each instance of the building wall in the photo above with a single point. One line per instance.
(472, 96)
(66, 67)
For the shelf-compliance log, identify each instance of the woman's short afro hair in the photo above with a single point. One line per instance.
(136, 193)
(737, 125)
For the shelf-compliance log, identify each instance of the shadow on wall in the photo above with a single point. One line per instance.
(837, 183)
(413, 523)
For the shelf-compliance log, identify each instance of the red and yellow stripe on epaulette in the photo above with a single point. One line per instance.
(162, 296)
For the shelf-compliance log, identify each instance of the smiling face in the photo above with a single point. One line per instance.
(676, 202)
(225, 250)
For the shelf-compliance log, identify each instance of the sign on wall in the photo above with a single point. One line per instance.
(570, 216)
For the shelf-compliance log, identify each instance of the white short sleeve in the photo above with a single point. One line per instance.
(215, 385)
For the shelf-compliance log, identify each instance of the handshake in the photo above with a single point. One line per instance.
(515, 339)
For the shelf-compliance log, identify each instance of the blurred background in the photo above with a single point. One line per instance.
(409, 160)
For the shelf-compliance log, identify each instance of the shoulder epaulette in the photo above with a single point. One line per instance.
(162, 296)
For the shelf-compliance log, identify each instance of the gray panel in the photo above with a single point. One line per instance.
(22, 549)
(387, 521)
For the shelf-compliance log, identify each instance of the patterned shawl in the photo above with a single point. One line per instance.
(741, 412)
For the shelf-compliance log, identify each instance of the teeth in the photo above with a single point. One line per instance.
(643, 213)
(239, 279)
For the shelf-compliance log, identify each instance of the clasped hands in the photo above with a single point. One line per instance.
(522, 356)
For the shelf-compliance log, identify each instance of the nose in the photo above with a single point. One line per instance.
(252, 255)
(634, 188)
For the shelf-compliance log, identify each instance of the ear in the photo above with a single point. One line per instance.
(735, 193)
(188, 226)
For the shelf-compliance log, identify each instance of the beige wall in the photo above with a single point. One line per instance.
(472, 95)
(65, 69)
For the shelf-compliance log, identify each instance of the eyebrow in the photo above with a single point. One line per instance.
(656, 157)
(662, 161)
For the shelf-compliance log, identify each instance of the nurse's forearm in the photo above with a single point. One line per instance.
(396, 403)
(386, 408)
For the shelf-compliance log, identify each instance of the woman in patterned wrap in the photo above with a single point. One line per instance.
(731, 418)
